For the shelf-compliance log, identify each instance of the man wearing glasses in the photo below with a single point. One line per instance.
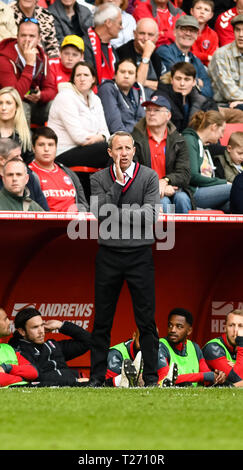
(186, 33)
(160, 147)
(24, 66)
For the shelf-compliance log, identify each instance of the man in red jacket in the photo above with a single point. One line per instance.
(14, 368)
(24, 66)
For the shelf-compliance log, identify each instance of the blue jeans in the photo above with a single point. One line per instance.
(181, 200)
(213, 197)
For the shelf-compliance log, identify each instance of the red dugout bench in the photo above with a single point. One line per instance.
(201, 270)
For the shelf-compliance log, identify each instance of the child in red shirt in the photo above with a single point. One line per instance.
(71, 52)
(207, 41)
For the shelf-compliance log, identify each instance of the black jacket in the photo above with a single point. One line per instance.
(63, 23)
(195, 101)
(128, 50)
(50, 357)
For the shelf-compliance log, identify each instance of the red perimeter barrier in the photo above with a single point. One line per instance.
(200, 270)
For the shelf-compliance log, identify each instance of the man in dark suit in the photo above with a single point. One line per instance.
(130, 193)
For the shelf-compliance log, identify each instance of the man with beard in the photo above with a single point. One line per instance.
(226, 352)
(186, 355)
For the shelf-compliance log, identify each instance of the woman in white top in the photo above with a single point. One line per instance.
(77, 117)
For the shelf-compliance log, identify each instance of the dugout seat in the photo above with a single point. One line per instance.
(83, 172)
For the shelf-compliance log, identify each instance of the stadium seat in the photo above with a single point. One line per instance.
(84, 172)
(84, 169)
(229, 129)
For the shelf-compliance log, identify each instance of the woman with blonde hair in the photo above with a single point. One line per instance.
(209, 191)
(128, 22)
(13, 123)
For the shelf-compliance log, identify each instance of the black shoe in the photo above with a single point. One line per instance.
(92, 383)
(129, 376)
(151, 384)
(170, 379)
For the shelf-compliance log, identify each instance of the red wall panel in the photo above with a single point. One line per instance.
(42, 266)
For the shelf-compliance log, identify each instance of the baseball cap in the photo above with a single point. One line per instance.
(158, 101)
(187, 20)
(73, 40)
(237, 19)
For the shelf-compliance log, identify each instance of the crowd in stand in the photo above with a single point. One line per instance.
(139, 93)
(168, 72)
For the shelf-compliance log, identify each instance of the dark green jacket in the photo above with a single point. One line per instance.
(197, 179)
(10, 202)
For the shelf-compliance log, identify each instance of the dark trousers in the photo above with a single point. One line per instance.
(113, 267)
(94, 155)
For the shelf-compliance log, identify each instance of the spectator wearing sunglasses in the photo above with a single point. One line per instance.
(29, 9)
(24, 66)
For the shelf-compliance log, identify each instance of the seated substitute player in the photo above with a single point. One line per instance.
(178, 349)
(124, 363)
(50, 356)
(60, 185)
(226, 352)
(14, 368)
